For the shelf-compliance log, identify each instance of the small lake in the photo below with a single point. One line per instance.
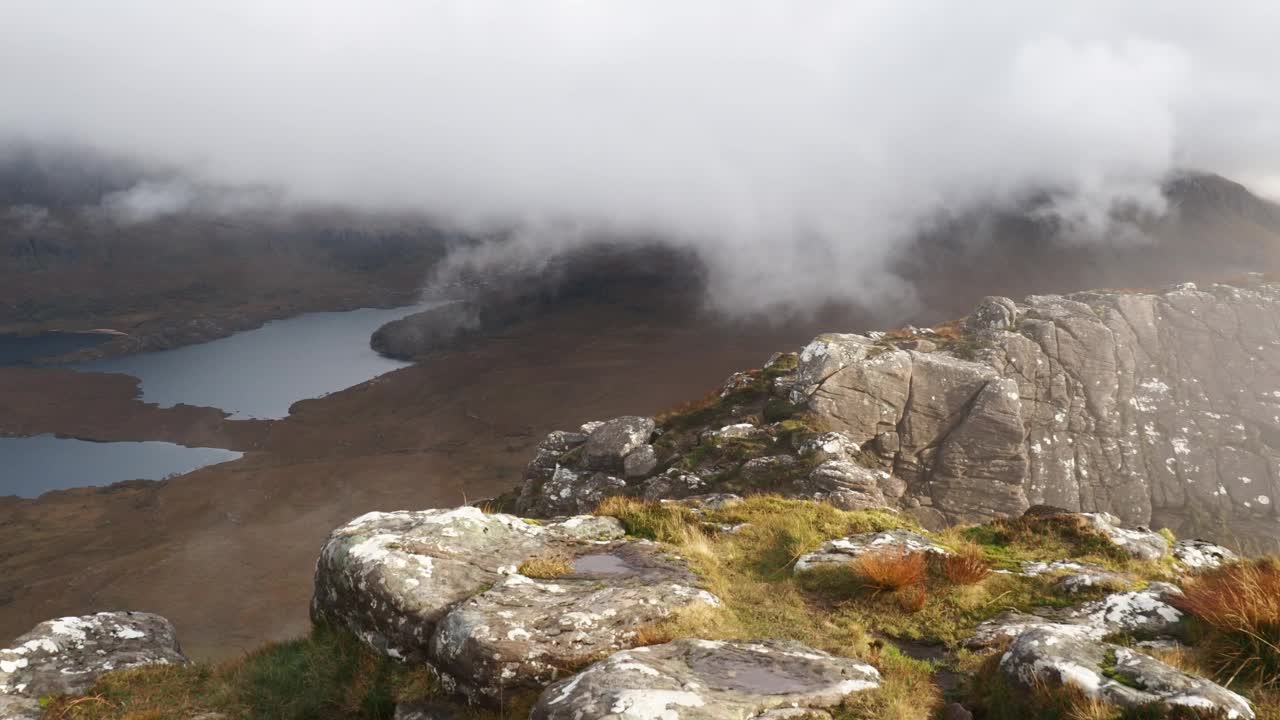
(260, 373)
(251, 374)
(35, 465)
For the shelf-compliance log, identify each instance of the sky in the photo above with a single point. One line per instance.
(796, 144)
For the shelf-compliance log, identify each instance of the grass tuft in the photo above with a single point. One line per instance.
(891, 570)
(966, 565)
(547, 567)
(1238, 606)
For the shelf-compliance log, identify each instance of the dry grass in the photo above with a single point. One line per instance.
(891, 570)
(547, 567)
(1239, 606)
(966, 565)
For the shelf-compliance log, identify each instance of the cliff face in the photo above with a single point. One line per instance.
(1133, 403)
(1108, 401)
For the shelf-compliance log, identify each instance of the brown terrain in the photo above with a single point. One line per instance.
(226, 552)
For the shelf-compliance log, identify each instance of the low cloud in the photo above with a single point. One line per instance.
(795, 145)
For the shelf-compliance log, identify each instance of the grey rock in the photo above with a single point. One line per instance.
(707, 680)
(65, 656)
(842, 550)
(1057, 656)
(829, 446)
(848, 485)
(1077, 577)
(523, 632)
(1144, 613)
(1139, 542)
(609, 443)
(737, 431)
(570, 492)
(1103, 402)
(640, 462)
(673, 484)
(956, 711)
(1202, 555)
(13, 707)
(391, 577)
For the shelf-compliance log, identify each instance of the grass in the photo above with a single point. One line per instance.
(546, 567)
(328, 674)
(891, 570)
(1237, 607)
(966, 565)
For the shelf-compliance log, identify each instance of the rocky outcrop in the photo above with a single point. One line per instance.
(1102, 401)
(1145, 613)
(66, 655)
(708, 680)
(446, 587)
(1201, 555)
(1054, 656)
(842, 551)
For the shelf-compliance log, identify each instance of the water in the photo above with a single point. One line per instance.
(34, 465)
(260, 373)
(252, 374)
(22, 350)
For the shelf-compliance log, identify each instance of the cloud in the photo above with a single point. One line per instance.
(796, 144)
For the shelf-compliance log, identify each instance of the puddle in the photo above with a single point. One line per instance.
(601, 564)
(754, 674)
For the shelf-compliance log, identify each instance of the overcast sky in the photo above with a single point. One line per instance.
(792, 140)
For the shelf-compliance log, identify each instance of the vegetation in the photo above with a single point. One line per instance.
(546, 567)
(875, 609)
(1238, 609)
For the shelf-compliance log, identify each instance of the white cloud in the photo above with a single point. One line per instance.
(794, 142)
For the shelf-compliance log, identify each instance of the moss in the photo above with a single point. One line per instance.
(776, 409)
(1109, 670)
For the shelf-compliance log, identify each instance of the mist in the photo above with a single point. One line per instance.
(796, 146)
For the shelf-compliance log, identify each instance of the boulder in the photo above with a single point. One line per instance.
(830, 446)
(524, 632)
(1076, 577)
(708, 680)
(391, 577)
(1202, 555)
(570, 492)
(609, 443)
(673, 484)
(1140, 542)
(1145, 613)
(848, 485)
(65, 656)
(1054, 656)
(843, 550)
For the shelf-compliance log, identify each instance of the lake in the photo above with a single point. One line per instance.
(35, 465)
(22, 350)
(260, 373)
(252, 374)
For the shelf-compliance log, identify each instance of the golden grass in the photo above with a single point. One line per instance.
(547, 567)
(966, 565)
(891, 570)
(1239, 607)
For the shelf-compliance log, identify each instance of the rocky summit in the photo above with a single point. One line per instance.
(1145, 405)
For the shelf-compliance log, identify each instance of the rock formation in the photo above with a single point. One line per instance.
(66, 655)
(1162, 404)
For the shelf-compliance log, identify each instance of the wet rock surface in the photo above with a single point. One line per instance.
(1063, 655)
(843, 550)
(708, 680)
(66, 655)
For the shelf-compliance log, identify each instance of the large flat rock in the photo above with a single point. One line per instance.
(706, 680)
